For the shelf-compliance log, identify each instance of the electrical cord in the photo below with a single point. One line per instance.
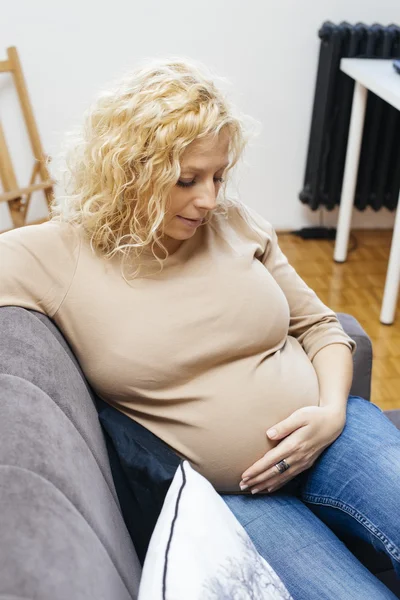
(324, 233)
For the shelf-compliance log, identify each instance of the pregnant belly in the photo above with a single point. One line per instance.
(223, 432)
(236, 437)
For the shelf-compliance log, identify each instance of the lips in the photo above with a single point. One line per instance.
(190, 222)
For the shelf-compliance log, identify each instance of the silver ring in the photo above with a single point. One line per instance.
(282, 466)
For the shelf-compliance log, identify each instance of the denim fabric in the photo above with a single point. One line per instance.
(353, 489)
(143, 467)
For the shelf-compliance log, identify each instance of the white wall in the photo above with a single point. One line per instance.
(268, 49)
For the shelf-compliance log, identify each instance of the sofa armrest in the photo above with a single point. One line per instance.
(362, 357)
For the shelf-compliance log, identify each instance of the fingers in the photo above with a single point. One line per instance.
(269, 477)
(287, 426)
(284, 449)
(264, 474)
(273, 484)
(279, 481)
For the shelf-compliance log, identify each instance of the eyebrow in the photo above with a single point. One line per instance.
(193, 168)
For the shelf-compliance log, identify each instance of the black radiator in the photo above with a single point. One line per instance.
(378, 180)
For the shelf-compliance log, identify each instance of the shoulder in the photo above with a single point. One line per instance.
(37, 264)
(40, 237)
(52, 243)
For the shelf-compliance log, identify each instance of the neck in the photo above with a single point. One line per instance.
(171, 245)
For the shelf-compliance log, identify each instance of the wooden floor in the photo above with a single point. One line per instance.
(355, 287)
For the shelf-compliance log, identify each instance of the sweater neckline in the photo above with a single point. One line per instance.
(181, 254)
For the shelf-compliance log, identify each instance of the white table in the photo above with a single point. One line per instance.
(380, 77)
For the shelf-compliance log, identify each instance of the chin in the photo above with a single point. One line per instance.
(180, 235)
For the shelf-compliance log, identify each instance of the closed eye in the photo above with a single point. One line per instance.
(191, 183)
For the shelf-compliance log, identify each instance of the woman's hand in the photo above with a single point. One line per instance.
(307, 432)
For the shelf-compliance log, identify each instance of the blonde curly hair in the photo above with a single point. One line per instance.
(122, 164)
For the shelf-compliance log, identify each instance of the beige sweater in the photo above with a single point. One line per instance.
(207, 355)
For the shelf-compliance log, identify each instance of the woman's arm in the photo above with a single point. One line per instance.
(313, 324)
(309, 430)
(334, 367)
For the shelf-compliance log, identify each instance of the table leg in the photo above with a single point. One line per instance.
(350, 171)
(392, 276)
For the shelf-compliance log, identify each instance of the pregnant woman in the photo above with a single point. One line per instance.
(186, 316)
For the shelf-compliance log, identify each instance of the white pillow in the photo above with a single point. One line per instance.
(200, 551)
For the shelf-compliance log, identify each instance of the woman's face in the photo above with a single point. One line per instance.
(194, 195)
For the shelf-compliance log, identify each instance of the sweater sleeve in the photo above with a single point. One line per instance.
(37, 265)
(312, 323)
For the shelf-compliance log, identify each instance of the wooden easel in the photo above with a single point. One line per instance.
(19, 198)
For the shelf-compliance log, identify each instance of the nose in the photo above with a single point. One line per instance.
(207, 199)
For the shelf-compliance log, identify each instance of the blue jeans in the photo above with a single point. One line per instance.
(353, 487)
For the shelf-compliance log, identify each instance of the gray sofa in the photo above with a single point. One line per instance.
(62, 535)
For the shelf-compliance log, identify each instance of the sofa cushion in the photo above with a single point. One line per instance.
(394, 416)
(31, 346)
(49, 427)
(38, 438)
(362, 358)
(49, 550)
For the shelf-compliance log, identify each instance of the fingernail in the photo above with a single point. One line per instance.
(243, 487)
(271, 433)
(255, 491)
(244, 479)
